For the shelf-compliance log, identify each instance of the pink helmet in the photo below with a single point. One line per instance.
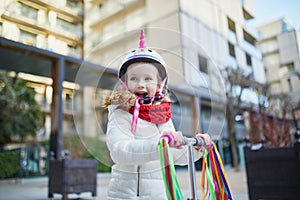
(143, 54)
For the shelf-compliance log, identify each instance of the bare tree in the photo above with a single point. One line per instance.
(236, 82)
(273, 125)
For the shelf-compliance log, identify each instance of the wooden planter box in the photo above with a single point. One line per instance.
(273, 173)
(72, 176)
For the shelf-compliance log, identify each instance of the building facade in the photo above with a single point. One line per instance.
(56, 26)
(280, 47)
(53, 25)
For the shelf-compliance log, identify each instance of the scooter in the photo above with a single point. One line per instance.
(214, 170)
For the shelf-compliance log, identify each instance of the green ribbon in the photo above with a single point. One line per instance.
(172, 186)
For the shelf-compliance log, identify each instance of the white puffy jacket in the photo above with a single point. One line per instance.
(136, 173)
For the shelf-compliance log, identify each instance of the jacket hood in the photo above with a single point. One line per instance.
(120, 97)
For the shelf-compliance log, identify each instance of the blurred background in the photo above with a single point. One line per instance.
(233, 72)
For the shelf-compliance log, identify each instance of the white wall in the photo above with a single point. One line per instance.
(205, 23)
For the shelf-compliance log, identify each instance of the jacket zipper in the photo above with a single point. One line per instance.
(138, 181)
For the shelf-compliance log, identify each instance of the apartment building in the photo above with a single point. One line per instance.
(56, 26)
(279, 44)
(52, 25)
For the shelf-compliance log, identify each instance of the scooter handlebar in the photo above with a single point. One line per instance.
(195, 141)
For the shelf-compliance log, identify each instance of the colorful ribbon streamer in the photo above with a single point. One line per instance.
(215, 176)
(168, 170)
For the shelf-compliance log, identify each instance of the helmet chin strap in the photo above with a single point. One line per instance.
(123, 84)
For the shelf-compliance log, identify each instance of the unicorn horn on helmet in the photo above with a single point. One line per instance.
(142, 39)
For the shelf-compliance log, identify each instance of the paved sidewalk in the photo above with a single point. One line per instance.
(37, 188)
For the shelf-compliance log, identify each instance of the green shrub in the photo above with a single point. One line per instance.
(9, 163)
(20, 114)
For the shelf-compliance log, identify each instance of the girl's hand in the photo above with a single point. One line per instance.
(206, 138)
(178, 139)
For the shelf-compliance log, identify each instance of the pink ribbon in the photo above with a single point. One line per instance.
(135, 115)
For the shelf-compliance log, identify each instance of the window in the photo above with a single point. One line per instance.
(63, 23)
(248, 60)
(246, 14)
(28, 11)
(290, 85)
(74, 4)
(290, 67)
(206, 112)
(231, 25)
(68, 101)
(249, 38)
(231, 49)
(28, 38)
(202, 64)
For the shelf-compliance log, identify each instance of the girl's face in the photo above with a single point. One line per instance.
(143, 79)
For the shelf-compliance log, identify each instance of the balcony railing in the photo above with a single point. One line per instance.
(113, 9)
(250, 49)
(232, 62)
(14, 14)
(69, 9)
(231, 36)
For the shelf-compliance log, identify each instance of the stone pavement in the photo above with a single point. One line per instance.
(37, 188)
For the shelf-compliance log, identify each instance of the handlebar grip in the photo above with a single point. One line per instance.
(193, 141)
(196, 141)
(199, 141)
(169, 137)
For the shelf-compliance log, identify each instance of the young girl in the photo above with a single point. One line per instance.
(139, 114)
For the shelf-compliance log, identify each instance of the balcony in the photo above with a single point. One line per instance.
(105, 15)
(251, 50)
(248, 9)
(269, 47)
(69, 12)
(232, 62)
(45, 27)
(248, 71)
(231, 36)
(74, 52)
(106, 43)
